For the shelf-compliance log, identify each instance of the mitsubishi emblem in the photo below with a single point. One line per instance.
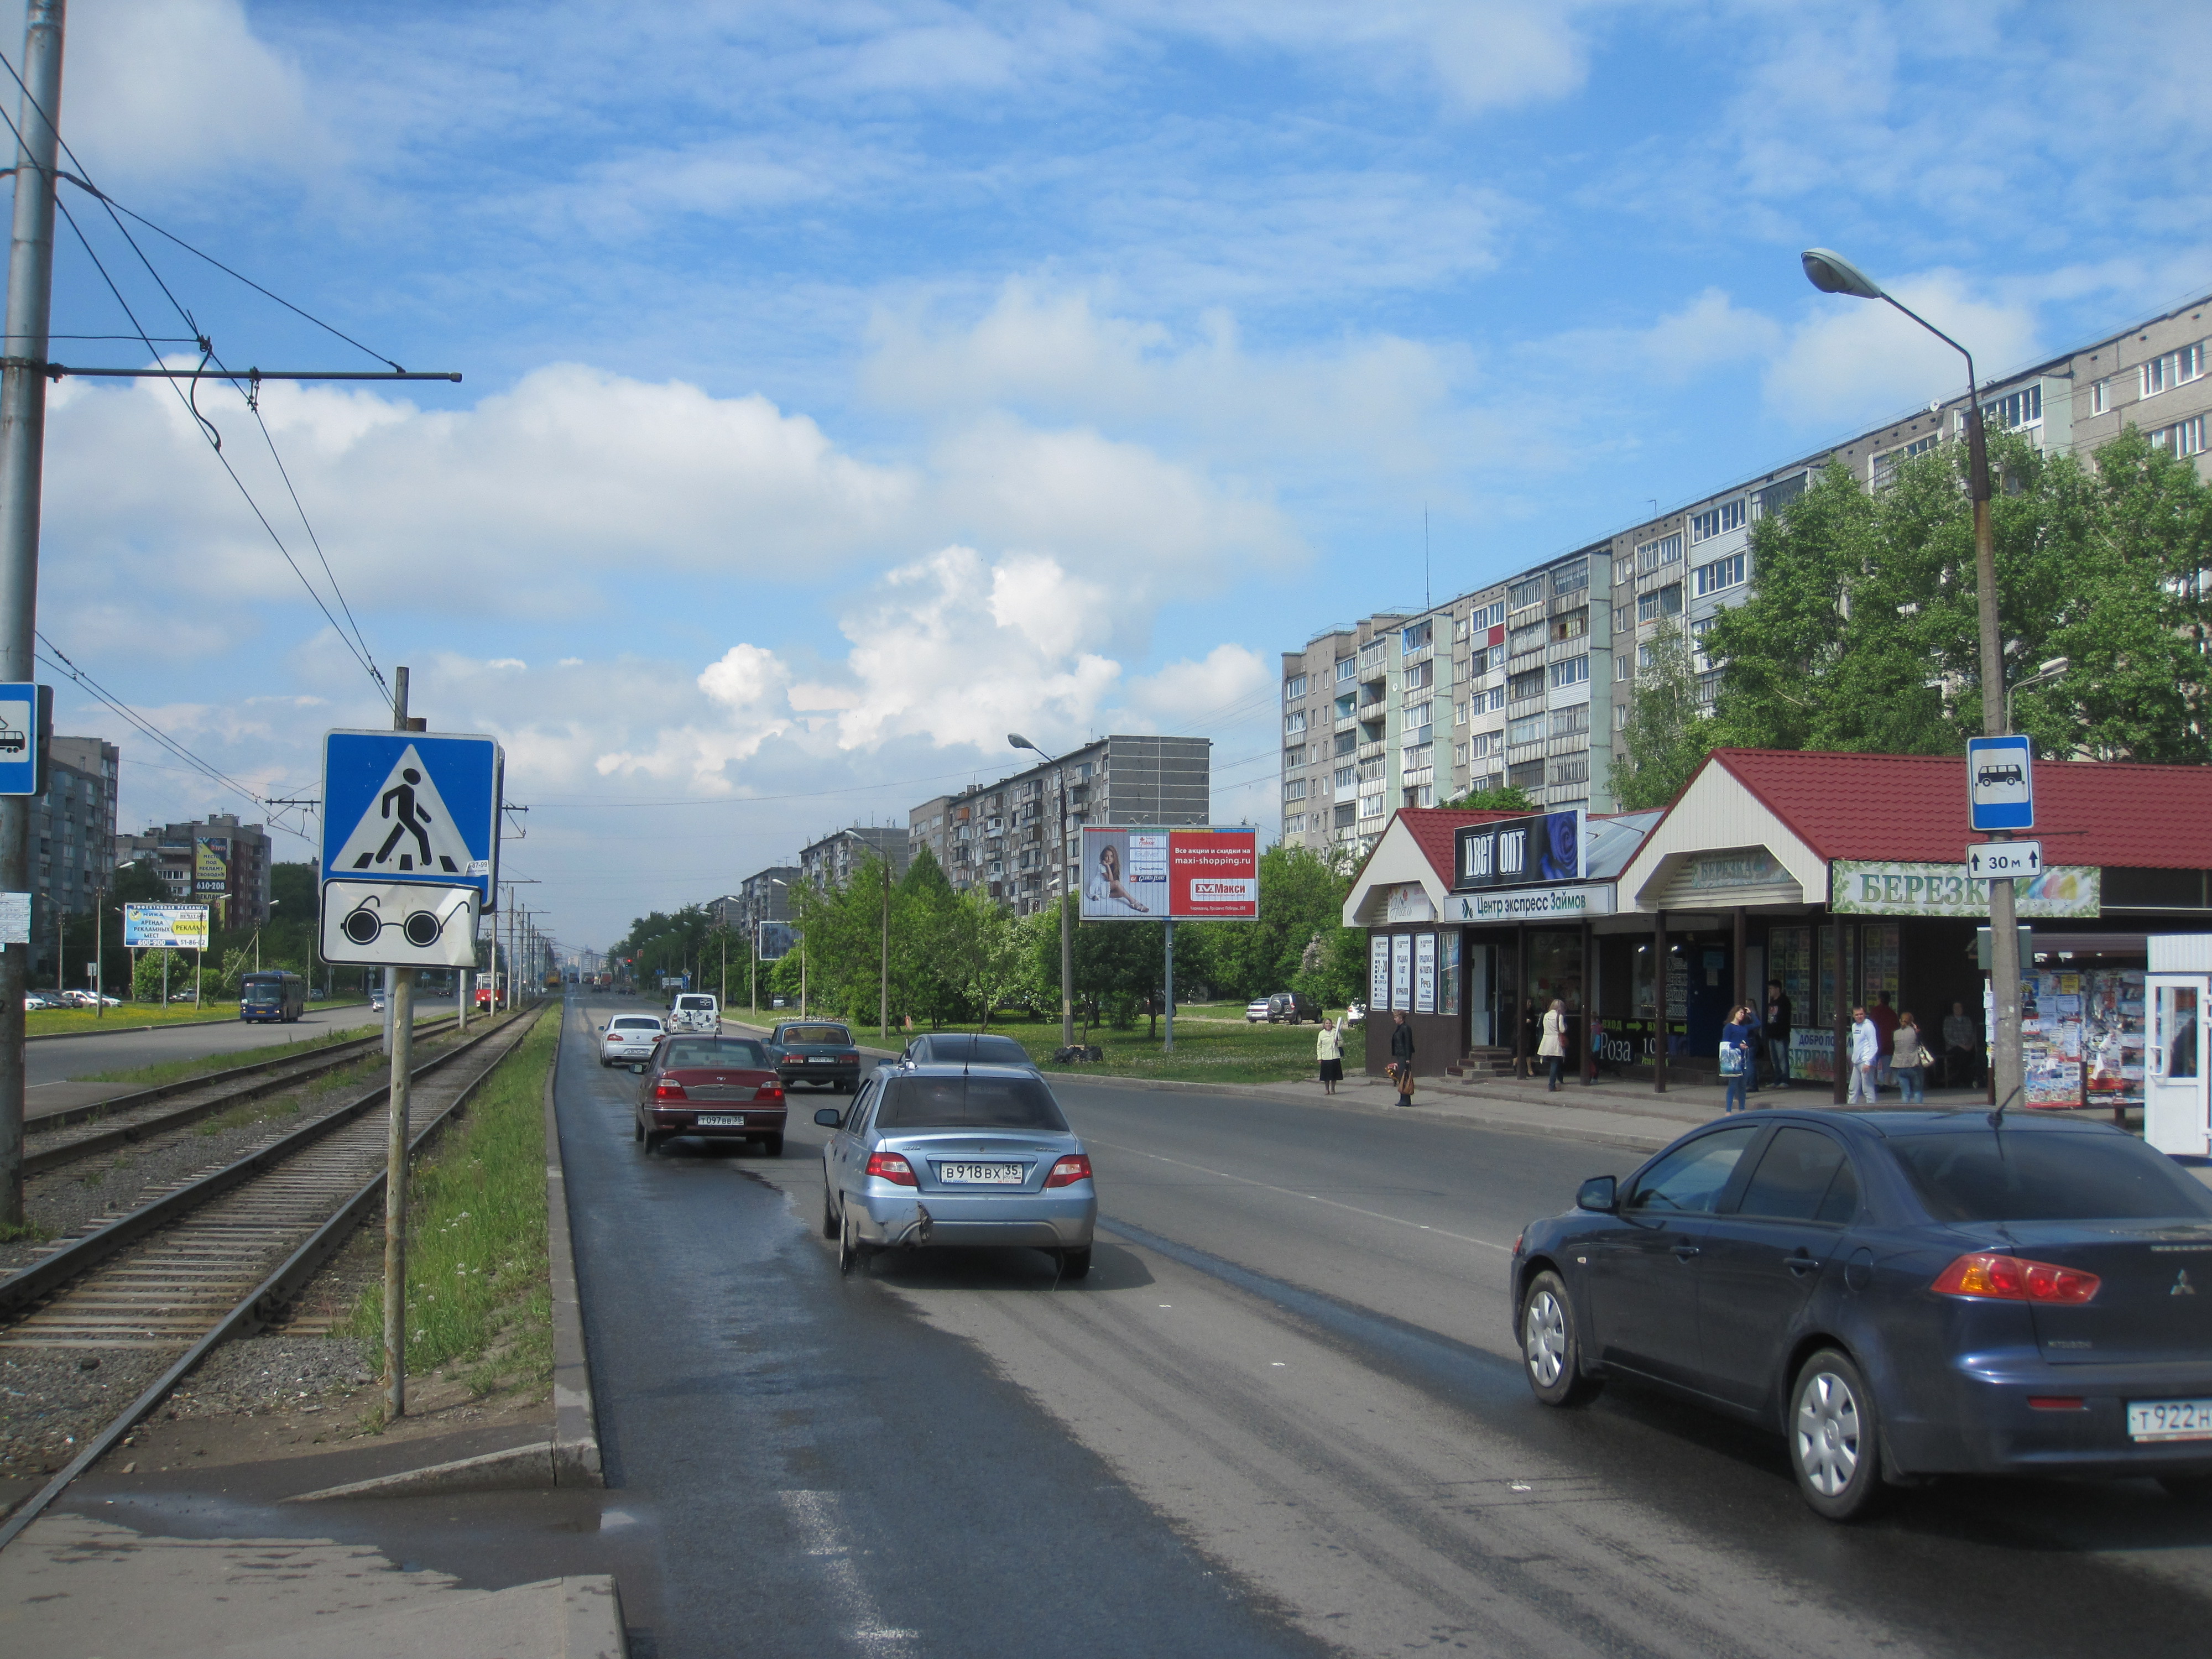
(2181, 1284)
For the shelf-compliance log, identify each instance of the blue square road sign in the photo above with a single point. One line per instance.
(2001, 782)
(26, 720)
(413, 807)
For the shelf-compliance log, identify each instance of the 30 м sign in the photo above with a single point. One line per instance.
(1171, 875)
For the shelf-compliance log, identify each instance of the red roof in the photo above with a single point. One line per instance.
(1913, 807)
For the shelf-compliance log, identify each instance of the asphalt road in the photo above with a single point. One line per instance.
(1292, 1369)
(80, 1057)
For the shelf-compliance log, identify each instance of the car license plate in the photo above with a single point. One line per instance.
(719, 1120)
(2170, 1419)
(980, 1174)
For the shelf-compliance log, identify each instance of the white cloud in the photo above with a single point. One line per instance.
(1858, 360)
(1189, 694)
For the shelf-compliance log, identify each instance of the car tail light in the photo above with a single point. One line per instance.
(1070, 1170)
(848, 1060)
(767, 1091)
(889, 1166)
(669, 1089)
(2015, 1278)
(2056, 1402)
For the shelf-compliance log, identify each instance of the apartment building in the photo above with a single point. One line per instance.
(760, 910)
(1538, 671)
(73, 826)
(217, 861)
(830, 862)
(930, 825)
(1014, 840)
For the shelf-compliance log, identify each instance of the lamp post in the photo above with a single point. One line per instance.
(1066, 938)
(1832, 273)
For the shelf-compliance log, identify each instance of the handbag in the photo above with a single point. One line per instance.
(1732, 1059)
(1927, 1059)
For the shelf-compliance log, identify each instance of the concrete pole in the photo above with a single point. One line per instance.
(400, 1035)
(1169, 989)
(883, 993)
(22, 449)
(2008, 1069)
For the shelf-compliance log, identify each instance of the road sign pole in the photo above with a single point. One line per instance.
(22, 447)
(1170, 988)
(399, 1042)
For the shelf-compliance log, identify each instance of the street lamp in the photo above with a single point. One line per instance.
(1066, 871)
(2043, 676)
(1832, 273)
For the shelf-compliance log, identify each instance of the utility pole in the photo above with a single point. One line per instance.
(22, 448)
(883, 1006)
(399, 1007)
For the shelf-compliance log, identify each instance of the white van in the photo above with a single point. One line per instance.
(694, 1011)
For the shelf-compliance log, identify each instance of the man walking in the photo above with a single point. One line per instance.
(1865, 1051)
(1778, 1012)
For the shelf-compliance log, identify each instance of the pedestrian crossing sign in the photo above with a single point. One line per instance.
(413, 807)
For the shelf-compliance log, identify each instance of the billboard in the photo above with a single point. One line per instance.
(1537, 851)
(211, 873)
(1171, 875)
(165, 927)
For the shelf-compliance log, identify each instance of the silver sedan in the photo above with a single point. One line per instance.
(939, 1155)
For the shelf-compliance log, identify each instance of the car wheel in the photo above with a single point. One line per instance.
(1835, 1444)
(2189, 1488)
(851, 1253)
(1075, 1264)
(829, 1229)
(1551, 1351)
(651, 1142)
(636, 1130)
(772, 1146)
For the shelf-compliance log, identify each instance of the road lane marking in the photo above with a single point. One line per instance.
(1313, 1198)
(814, 1516)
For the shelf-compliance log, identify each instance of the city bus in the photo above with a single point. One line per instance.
(274, 994)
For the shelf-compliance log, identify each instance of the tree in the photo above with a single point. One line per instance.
(1668, 733)
(1860, 628)
(1301, 897)
(1507, 798)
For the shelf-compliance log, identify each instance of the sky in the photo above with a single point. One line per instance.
(850, 383)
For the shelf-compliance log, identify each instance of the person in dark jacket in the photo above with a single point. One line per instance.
(1779, 1013)
(1402, 1058)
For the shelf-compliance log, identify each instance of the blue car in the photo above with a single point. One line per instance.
(1901, 1294)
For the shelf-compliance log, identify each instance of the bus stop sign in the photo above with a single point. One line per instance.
(2000, 783)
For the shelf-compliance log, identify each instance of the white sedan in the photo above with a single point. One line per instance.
(1256, 1010)
(629, 1036)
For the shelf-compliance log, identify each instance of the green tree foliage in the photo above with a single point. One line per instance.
(1507, 798)
(1301, 897)
(146, 978)
(670, 943)
(1861, 632)
(1668, 733)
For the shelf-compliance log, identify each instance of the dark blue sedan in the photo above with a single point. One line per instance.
(1903, 1294)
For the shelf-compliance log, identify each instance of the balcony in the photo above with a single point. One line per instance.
(1420, 654)
(1426, 775)
(1368, 751)
(1345, 722)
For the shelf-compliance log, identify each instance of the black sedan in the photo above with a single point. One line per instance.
(1901, 1294)
(816, 1051)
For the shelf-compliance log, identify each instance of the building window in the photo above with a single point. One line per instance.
(1459, 714)
(1525, 594)
(1420, 674)
(1659, 602)
(1572, 626)
(1620, 713)
(1487, 616)
(1497, 694)
(1371, 806)
(1344, 775)
(1529, 774)
(1343, 816)
(1346, 742)
(1294, 723)
(1574, 769)
(2017, 409)
(1881, 468)
(2173, 369)
(1295, 824)
(1523, 686)
(1346, 668)
(1570, 579)
(1566, 722)
(1529, 637)
(1294, 688)
(1344, 706)
(1623, 668)
(1459, 754)
(1417, 756)
(2100, 398)
(1572, 671)
(1295, 757)
(1294, 789)
(1720, 574)
(1421, 716)
(1778, 495)
(1417, 637)
(1482, 744)
(2183, 437)
(1708, 685)
(1650, 555)
(1718, 520)
(1528, 730)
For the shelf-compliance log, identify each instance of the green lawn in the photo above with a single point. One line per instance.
(1215, 1052)
(44, 1022)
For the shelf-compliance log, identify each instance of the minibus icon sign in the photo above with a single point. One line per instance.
(2000, 783)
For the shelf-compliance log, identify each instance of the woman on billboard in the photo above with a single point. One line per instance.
(1107, 887)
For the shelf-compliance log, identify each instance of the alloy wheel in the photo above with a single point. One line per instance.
(1544, 1338)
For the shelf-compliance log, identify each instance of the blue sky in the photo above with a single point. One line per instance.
(849, 384)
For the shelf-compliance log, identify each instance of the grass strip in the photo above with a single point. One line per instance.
(173, 1071)
(477, 1294)
(1213, 1052)
(221, 1011)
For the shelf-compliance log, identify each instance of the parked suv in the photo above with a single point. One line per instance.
(1289, 1007)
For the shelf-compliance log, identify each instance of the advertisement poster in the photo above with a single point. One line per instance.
(1535, 850)
(1424, 973)
(211, 873)
(1402, 971)
(2050, 1038)
(1876, 888)
(1378, 971)
(1448, 974)
(1171, 875)
(2112, 1035)
(165, 927)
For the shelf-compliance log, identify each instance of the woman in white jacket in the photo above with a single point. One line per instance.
(1552, 1050)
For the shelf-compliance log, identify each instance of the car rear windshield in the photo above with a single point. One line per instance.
(694, 1002)
(816, 1033)
(969, 1102)
(1992, 1175)
(634, 1024)
(709, 1051)
(983, 1051)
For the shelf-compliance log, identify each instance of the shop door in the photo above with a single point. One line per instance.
(2175, 1116)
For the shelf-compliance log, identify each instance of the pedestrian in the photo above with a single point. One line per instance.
(1865, 1050)
(1552, 1049)
(1738, 1055)
(1401, 1057)
(1778, 1012)
(1907, 1057)
(1885, 1031)
(1962, 1047)
(1329, 1050)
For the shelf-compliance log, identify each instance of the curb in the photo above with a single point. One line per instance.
(592, 1618)
(575, 1445)
(518, 1468)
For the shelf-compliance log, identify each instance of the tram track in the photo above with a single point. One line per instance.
(222, 1255)
(54, 1139)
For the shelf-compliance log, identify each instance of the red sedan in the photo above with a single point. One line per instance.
(719, 1089)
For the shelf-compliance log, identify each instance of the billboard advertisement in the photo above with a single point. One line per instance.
(1537, 851)
(211, 873)
(1171, 875)
(165, 927)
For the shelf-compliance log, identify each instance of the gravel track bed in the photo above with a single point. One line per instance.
(51, 1405)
